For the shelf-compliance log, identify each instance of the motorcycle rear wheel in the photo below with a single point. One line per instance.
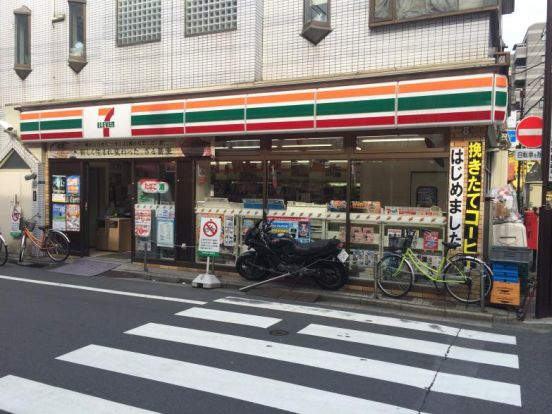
(330, 276)
(248, 265)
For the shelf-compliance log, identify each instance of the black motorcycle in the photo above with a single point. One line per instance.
(273, 255)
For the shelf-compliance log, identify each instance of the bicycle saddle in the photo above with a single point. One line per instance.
(451, 246)
(43, 228)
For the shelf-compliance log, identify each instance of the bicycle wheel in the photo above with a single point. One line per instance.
(57, 246)
(394, 275)
(463, 277)
(22, 248)
(3, 251)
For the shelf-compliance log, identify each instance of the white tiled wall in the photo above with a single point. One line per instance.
(353, 47)
(267, 46)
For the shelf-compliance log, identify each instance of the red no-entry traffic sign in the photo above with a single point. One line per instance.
(529, 132)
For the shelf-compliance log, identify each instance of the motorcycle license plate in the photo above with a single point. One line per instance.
(343, 256)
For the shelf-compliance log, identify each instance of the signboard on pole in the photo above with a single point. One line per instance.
(473, 197)
(529, 132)
(209, 236)
(528, 154)
(512, 137)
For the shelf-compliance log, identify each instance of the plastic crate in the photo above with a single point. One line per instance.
(510, 254)
(505, 293)
(505, 271)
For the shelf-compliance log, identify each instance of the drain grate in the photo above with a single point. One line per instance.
(279, 332)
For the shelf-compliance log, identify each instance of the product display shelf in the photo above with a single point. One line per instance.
(364, 244)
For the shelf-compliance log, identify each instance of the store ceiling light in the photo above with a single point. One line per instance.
(393, 139)
(305, 145)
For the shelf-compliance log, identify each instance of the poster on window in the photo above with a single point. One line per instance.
(58, 217)
(59, 188)
(228, 230)
(431, 240)
(298, 228)
(165, 232)
(473, 197)
(72, 216)
(142, 221)
(73, 189)
(456, 196)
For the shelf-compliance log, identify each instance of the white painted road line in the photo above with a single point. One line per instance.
(229, 317)
(245, 387)
(386, 371)
(413, 345)
(372, 319)
(20, 395)
(109, 291)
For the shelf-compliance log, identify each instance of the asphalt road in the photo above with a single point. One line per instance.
(71, 344)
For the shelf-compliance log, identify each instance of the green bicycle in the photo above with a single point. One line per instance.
(462, 275)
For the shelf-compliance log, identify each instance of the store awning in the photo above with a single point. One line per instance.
(448, 101)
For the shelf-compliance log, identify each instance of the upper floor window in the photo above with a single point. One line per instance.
(22, 42)
(390, 11)
(138, 21)
(209, 16)
(77, 34)
(316, 20)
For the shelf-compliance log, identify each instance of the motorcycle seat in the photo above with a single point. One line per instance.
(306, 249)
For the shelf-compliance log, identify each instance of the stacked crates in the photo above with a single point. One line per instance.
(510, 270)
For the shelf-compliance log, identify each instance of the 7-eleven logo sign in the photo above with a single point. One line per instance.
(106, 114)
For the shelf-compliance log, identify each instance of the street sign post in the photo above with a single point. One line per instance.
(210, 229)
(529, 132)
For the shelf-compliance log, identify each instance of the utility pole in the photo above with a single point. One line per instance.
(544, 275)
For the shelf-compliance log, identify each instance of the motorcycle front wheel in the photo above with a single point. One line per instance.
(250, 266)
(330, 276)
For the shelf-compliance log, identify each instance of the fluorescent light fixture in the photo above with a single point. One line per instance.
(393, 139)
(237, 147)
(306, 145)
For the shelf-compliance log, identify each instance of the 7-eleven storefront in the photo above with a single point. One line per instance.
(359, 160)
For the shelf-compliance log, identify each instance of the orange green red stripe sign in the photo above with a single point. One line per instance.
(460, 100)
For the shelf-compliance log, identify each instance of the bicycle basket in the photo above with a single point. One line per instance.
(399, 243)
(28, 224)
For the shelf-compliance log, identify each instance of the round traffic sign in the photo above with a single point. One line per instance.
(210, 228)
(529, 132)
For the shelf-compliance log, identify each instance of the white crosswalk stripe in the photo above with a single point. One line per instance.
(229, 317)
(355, 365)
(372, 319)
(20, 395)
(413, 345)
(426, 374)
(251, 388)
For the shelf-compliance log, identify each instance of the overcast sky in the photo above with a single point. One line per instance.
(526, 13)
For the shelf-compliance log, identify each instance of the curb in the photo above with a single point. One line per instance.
(352, 298)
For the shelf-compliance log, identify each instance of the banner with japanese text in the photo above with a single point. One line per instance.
(456, 196)
(473, 197)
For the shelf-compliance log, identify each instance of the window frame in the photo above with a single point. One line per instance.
(77, 63)
(186, 34)
(22, 69)
(306, 8)
(373, 22)
(137, 43)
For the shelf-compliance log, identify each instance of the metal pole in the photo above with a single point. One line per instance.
(146, 254)
(544, 293)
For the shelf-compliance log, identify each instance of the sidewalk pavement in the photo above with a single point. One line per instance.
(444, 307)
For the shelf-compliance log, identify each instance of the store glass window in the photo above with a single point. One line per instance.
(398, 188)
(77, 27)
(22, 40)
(155, 192)
(303, 145)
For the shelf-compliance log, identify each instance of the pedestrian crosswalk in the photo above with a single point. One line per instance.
(382, 351)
